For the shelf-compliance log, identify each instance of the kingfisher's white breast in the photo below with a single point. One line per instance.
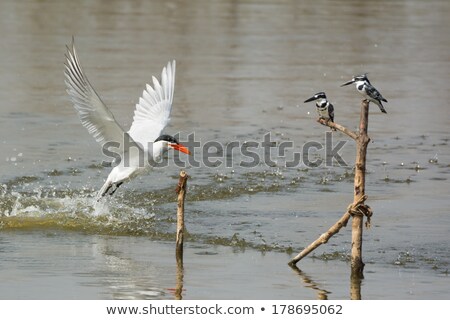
(361, 86)
(322, 109)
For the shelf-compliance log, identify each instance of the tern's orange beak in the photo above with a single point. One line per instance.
(180, 148)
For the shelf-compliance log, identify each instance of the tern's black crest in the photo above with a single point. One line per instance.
(168, 138)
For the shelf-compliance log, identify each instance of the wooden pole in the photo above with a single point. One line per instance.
(357, 209)
(362, 141)
(355, 287)
(181, 191)
(180, 276)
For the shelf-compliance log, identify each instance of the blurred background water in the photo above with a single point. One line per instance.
(244, 69)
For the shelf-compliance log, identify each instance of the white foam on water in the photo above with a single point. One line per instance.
(101, 207)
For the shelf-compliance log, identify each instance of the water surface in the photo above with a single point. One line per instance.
(243, 70)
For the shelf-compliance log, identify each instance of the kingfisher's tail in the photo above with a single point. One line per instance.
(380, 105)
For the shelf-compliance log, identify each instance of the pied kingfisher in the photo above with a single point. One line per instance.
(324, 108)
(364, 87)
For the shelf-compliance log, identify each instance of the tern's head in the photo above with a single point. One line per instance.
(168, 142)
(356, 79)
(317, 96)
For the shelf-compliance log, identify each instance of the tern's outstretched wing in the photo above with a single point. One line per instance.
(94, 114)
(152, 113)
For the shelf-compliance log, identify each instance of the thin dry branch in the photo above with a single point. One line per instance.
(338, 127)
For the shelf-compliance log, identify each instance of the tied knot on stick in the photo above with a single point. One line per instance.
(359, 208)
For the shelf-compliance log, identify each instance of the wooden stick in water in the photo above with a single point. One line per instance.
(360, 191)
(181, 191)
(357, 210)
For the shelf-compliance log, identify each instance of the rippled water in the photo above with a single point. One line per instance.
(243, 69)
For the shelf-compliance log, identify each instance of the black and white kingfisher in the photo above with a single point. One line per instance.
(364, 87)
(324, 108)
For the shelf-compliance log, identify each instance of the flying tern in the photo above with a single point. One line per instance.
(151, 116)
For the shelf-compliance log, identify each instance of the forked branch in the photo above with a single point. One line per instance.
(357, 209)
(337, 126)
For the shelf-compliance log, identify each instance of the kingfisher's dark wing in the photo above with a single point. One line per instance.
(374, 93)
(331, 112)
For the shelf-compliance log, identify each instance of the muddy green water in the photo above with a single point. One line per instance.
(243, 69)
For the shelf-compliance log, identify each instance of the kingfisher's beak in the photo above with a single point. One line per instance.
(310, 99)
(348, 82)
(180, 147)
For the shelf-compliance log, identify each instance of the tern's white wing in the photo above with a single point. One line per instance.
(152, 113)
(94, 114)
